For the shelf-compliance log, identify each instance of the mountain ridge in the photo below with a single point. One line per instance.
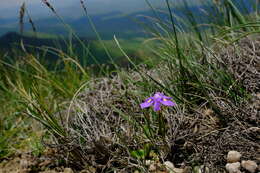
(108, 24)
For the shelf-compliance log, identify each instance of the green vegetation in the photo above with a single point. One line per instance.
(92, 113)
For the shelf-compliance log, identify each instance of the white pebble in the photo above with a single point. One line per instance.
(148, 162)
(233, 167)
(249, 165)
(169, 165)
(152, 168)
(68, 170)
(178, 170)
(233, 156)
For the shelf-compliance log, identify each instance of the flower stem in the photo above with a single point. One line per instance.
(147, 117)
(161, 124)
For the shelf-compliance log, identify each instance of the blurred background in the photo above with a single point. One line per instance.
(109, 16)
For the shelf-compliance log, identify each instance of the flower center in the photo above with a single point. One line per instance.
(157, 96)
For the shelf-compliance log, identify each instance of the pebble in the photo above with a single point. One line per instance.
(197, 169)
(68, 170)
(24, 163)
(233, 156)
(171, 169)
(233, 167)
(148, 162)
(169, 165)
(152, 167)
(249, 165)
(178, 170)
(49, 171)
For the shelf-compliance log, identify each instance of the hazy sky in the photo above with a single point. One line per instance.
(71, 8)
(15, 3)
(10, 8)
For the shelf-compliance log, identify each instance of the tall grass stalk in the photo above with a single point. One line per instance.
(97, 34)
(72, 32)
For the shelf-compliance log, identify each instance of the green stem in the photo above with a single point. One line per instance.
(161, 124)
(147, 118)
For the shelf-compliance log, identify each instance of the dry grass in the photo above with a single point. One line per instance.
(105, 117)
(103, 120)
(243, 61)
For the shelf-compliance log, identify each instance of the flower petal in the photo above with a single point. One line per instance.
(158, 95)
(157, 106)
(148, 102)
(167, 102)
(166, 97)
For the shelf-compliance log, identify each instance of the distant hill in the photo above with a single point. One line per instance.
(112, 22)
(72, 8)
(108, 25)
(12, 40)
(10, 44)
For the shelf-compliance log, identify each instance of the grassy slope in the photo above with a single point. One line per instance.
(10, 42)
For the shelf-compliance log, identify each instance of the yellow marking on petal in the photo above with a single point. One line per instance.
(165, 100)
(149, 100)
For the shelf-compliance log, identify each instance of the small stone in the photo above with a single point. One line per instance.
(152, 167)
(188, 169)
(169, 165)
(49, 171)
(233, 156)
(249, 165)
(197, 169)
(177, 170)
(89, 169)
(68, 170)
(233, 167)
(258, 158)
(24, 163)
(148, 162)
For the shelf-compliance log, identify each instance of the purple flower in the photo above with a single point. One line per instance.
(156, 101)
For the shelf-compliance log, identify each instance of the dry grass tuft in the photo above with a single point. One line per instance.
(100, 120)
(243, 61)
